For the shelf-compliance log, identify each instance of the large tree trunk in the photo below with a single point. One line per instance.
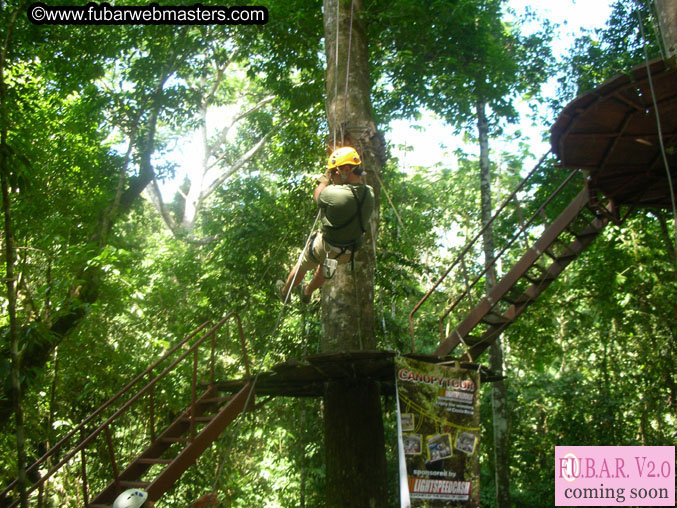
(498, 389)
(10, 259)
(356, 467)
(667, 17)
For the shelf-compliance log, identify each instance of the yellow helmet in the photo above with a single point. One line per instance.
(344, 155)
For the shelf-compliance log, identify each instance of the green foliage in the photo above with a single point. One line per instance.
(449, 55)
(591, 362)
(608, 51)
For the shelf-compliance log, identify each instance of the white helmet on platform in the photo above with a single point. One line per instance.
(132, 498)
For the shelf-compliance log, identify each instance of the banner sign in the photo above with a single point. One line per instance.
(438, 431)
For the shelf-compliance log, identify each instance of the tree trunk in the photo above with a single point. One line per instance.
(10, 260)
(498, 389)
(38, 349)
(355, 450)
(667, 17)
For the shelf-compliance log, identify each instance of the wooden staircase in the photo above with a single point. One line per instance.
(476, 319)
(178, 447)
(167, 454)
(540, 265)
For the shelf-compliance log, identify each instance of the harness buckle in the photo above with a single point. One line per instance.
(329, 267)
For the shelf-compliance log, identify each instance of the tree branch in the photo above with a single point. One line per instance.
(221, 137)
(153, 193)
(235, 167)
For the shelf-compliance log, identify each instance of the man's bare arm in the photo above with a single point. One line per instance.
(323, 181)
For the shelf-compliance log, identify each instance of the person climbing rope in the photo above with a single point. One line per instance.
(137, 498)
(346, 208)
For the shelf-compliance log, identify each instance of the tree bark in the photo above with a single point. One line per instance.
(10, 260)
(498, 388)
(354, 445)
(667, 18)
(355, 449)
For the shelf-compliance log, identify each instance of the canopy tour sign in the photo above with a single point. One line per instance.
(438, 430)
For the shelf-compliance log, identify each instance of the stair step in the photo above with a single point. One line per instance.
(566, 257)
(128, 484)
(531, 279)
(539, 280)
(153, 461)
(581, 234)
(215, 400)
(471, 340)
(174, 439)
(516, 300)
(495, 319)
(198, 418)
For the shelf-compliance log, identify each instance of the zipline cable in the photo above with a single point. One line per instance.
(656, 28)
(336, 65)
(345, 92)
(258, 367)
(399, 219)
(658, 124)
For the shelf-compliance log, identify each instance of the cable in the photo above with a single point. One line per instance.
(655, 26)
(258, 367)
(399, 219)
(350, 45)
(296, 268)
(658, 124)
(336, 59)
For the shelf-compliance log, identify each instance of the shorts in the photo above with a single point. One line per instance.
(320, 249)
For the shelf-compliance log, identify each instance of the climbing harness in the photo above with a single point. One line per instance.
(353, 245)
(329, 266)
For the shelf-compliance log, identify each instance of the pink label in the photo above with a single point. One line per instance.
(615, 476)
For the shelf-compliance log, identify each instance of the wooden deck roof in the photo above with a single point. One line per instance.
(612, 132)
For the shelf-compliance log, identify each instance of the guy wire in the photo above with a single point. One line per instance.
(658, 124)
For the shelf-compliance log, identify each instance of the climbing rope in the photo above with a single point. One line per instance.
(345, 92)
(259, 365)
(336, 63)
(340, 126)
(658, 123)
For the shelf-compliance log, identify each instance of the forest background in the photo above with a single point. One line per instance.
(106, 274)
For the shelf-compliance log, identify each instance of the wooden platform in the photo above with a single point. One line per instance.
(306, 377)
(612, 133)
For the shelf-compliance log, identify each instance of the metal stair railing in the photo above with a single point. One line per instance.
(508, 309)
(66, 452)
(519, 238)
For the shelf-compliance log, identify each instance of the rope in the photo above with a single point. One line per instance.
(658, 125)
(350, 45)
(385, 190)
(336, 52)
(340, 126)
(296, 273)
(656, 28)
(219, 470)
